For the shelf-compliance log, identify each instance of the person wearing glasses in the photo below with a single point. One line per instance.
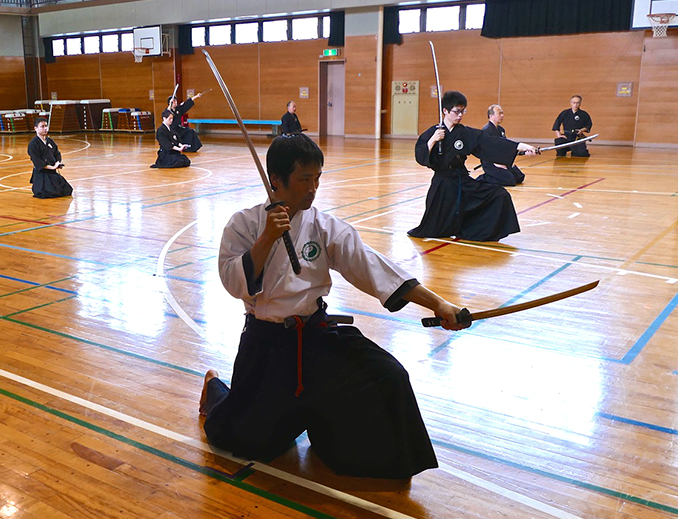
(570, 125)
(498, 173)
(457, 204)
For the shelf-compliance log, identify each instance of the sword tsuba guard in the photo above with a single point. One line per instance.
(274, 204)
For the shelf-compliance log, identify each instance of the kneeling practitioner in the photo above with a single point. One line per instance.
(353, 397)
(46, 159)
(169, 154)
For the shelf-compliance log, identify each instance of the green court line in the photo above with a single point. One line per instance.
(207, 471)
(563, 479)
(105, 347)
(36, 307)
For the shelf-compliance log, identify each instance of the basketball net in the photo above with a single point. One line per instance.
(139, 53)
(660, 23)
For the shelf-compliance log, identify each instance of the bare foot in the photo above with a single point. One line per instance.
(203, 396)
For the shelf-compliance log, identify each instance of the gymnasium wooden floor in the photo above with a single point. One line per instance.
(111, 311)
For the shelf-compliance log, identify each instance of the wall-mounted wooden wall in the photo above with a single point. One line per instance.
(12, 83)
(532, 78)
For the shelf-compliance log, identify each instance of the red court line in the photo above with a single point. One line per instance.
(437, 247)
(564, 194)
(27, 221)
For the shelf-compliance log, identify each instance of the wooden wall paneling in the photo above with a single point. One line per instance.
(75, 77)
(657, 102)
(12, 83)
(125, 82)
(466, 62)
(361, 77)
(163, 85)
(287, 66)
(540, 74)
(239, 68)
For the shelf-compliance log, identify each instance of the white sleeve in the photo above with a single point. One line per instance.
(367, 270)
(237, 239)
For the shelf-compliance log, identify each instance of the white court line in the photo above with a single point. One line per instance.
(534, 224)
(555, 196)
(376, 216)
(574, 215)
(514, 496)
(9, 157)
(187, 440)
(277, 473)
(621, 272)
(578, 205)
(160, 273)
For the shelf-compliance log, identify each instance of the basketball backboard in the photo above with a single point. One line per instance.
(149, 38)
(641, 8)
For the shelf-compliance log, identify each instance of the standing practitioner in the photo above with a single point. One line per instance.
(290, 121)
(457, 204)
(498, 173)
(46, 159)
(186, 135)
(575, 124)
(353, 398)
(169, 154)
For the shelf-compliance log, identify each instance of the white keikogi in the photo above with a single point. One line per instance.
(323, 242)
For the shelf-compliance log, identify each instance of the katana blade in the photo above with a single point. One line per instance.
(287, 240)
(568, 144)
(174, 95)
(466, 317)
(440, 94)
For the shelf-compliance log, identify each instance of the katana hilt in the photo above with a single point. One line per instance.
(463, 317)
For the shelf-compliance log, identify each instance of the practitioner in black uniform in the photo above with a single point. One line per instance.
(290, 121)
(457, 204)
(498, 173)
(575, 123)
(46, 159)
(186, 135)
(169, 154)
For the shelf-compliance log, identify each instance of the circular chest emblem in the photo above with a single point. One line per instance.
(459, 144)
(311, 251)
(576, 117)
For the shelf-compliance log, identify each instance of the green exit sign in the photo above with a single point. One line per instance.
(330, 52)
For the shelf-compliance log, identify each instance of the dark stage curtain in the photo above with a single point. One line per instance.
(336, 38)
(391, 29)
(506, 18)
(49, 54)
(185, 42)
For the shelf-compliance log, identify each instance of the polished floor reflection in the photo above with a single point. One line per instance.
(111, 310)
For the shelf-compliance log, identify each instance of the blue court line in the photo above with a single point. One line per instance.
(445, 344)
(674, 373)
(33, 283)
(34, 251)
(649, 333)
(646, 425)
(372, 198)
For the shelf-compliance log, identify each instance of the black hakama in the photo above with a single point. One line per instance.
(47, 183)
(357, 403)
(456, 204)
(186, 135)
(167, 156)
(571, 122)
(496, 175)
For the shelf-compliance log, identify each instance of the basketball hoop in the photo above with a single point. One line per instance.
(660, 23)
(139, 53)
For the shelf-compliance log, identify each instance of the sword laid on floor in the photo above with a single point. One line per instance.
(466, 317)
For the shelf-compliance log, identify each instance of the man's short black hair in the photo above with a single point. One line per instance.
(166, 113)
(453, 98)
(289, 151)
(169, 99)
(39, 120)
